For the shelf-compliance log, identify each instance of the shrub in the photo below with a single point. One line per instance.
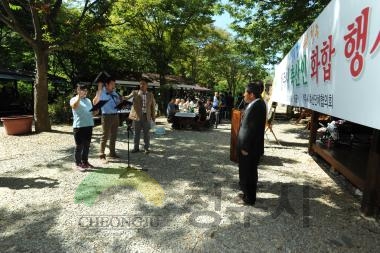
(60, 111)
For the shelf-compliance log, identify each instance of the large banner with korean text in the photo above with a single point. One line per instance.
(335, 66)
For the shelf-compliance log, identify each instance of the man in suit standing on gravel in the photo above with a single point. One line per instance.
(251, 140)
(142, 113)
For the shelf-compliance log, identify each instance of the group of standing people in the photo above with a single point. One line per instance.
(250, 137)
(142, 113)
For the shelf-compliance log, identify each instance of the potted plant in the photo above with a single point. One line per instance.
(21, 124)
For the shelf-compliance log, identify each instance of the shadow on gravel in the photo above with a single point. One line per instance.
(64, 156)
(299, 131)
(276, 161)
(291, 211)
(29, 231)
(61, 132)
(293, 144)
(284, 211)
(17, 183)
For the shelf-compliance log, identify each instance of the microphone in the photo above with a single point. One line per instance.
(242, 100)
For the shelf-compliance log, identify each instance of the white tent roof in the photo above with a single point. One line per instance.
(135, 83)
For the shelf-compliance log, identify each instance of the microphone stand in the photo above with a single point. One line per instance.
(123, 175)
(129, 130)
(241, 102)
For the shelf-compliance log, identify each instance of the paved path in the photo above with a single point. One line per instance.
(181, 199)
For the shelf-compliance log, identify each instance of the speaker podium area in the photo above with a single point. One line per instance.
(235, 126)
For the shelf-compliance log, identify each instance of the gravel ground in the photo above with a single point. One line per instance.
(180, 198)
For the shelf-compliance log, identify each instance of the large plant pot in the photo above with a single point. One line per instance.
(21, 124)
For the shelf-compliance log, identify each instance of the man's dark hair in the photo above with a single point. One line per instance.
(110, 79)
(255, 87)
(261, 85)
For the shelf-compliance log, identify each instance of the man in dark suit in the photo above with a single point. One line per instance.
(251, 141)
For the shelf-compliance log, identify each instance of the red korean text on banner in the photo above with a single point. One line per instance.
(315, 63)
(356, 41)
(327, 52)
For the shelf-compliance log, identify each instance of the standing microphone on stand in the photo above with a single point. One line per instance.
(241, 102)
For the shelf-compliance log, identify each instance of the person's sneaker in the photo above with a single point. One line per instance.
(146, 151)
(135, 150)
(88, 165)
(79, 167)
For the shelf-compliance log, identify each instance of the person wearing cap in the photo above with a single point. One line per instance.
(250, 145)
(109, 118)
(142, 114)
(83, 123)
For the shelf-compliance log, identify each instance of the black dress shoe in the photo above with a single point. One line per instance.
(248, 201)
(241, 199)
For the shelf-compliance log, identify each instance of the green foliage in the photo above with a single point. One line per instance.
(14, 7)
(159, 27)
(60, 110)
(271, 28)
(216, 60)
(164, 36)
(45, 26)
(25, 95)
(15, 53)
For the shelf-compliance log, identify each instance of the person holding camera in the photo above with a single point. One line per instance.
(82, 124)
(109, 118)
(142, 113)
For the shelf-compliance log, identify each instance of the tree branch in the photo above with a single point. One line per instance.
(54, 11)
(36, 22)
(52, 16)
(10, 20)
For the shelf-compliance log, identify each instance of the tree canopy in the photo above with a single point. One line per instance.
(45, 26)
(78, 39)
(273, 27)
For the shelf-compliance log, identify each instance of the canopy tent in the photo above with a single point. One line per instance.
(189, 87)
(12, 101)
(134, 84)
(27, 76)
(200, 88)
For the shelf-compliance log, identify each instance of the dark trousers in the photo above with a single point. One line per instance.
(248, 176)
(82, 137)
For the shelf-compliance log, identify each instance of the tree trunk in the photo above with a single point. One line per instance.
(41, 113)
